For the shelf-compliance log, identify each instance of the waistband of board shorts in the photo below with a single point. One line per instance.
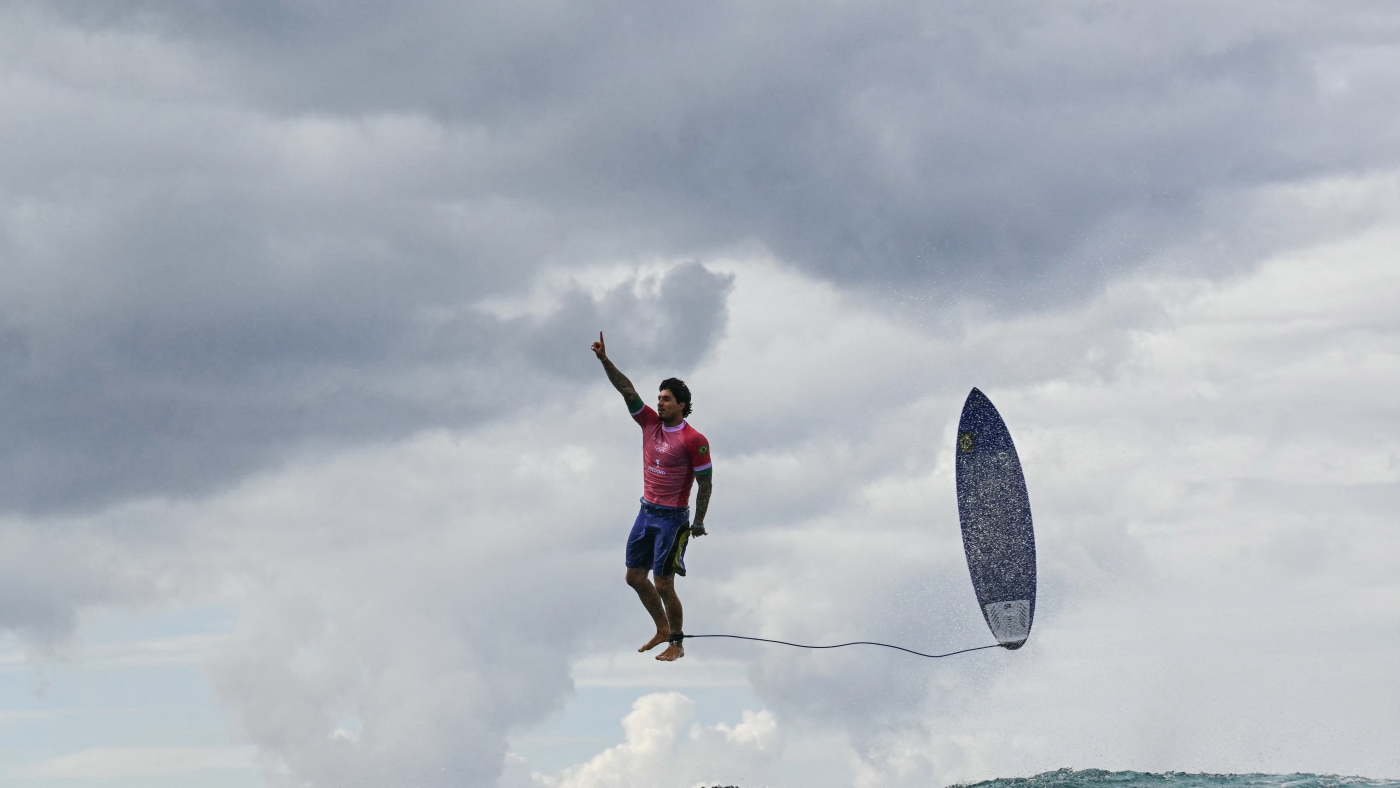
(656, 508)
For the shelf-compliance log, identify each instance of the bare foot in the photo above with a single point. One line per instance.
(672, 653)
(658, 639)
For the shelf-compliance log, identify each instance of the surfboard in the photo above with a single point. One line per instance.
(995, 512)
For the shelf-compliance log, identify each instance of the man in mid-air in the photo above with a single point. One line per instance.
(674, 455)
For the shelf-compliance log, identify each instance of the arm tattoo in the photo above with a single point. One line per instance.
(702, 498)
(620, 381)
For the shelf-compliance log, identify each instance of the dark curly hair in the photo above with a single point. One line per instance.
(678, 390)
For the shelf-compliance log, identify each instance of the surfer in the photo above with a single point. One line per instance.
(674, 455)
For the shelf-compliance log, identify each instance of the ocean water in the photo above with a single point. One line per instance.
(1098, 778)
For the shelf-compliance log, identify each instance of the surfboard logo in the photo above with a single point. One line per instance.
(965, 441)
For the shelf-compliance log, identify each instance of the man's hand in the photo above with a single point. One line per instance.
(698, 529)
(619, 380)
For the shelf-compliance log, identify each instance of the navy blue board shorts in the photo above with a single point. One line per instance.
(658, 538)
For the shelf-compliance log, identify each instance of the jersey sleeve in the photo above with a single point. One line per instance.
(700, 454)
(645, 416)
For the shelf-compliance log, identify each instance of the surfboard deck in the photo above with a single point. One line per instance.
(994, 510)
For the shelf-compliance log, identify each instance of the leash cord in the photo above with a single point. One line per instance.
(843, 645)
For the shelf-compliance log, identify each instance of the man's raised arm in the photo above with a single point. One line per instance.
(619, 380)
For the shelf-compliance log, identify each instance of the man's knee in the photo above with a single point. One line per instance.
(637, 578)
(666, 584)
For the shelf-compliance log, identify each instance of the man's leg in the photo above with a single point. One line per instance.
(666, 591)
(651, 600)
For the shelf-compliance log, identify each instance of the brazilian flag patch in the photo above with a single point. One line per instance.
(704, 449)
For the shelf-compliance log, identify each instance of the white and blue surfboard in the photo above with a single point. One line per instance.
(995, 511)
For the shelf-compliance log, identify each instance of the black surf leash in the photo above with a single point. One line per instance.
(678, 637)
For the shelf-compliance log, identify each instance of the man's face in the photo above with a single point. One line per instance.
(667, 407)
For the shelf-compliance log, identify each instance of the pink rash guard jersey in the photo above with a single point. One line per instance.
(671, 456)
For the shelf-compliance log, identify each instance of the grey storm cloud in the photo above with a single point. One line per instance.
(174, 403)
(1013, 145)
(190, 291)
(41, 585)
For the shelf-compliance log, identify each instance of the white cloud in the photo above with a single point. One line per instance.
(662, 750)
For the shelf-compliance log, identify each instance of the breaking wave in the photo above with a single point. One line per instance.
(1098, 778)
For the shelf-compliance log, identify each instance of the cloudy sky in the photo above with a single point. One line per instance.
(307, 476)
